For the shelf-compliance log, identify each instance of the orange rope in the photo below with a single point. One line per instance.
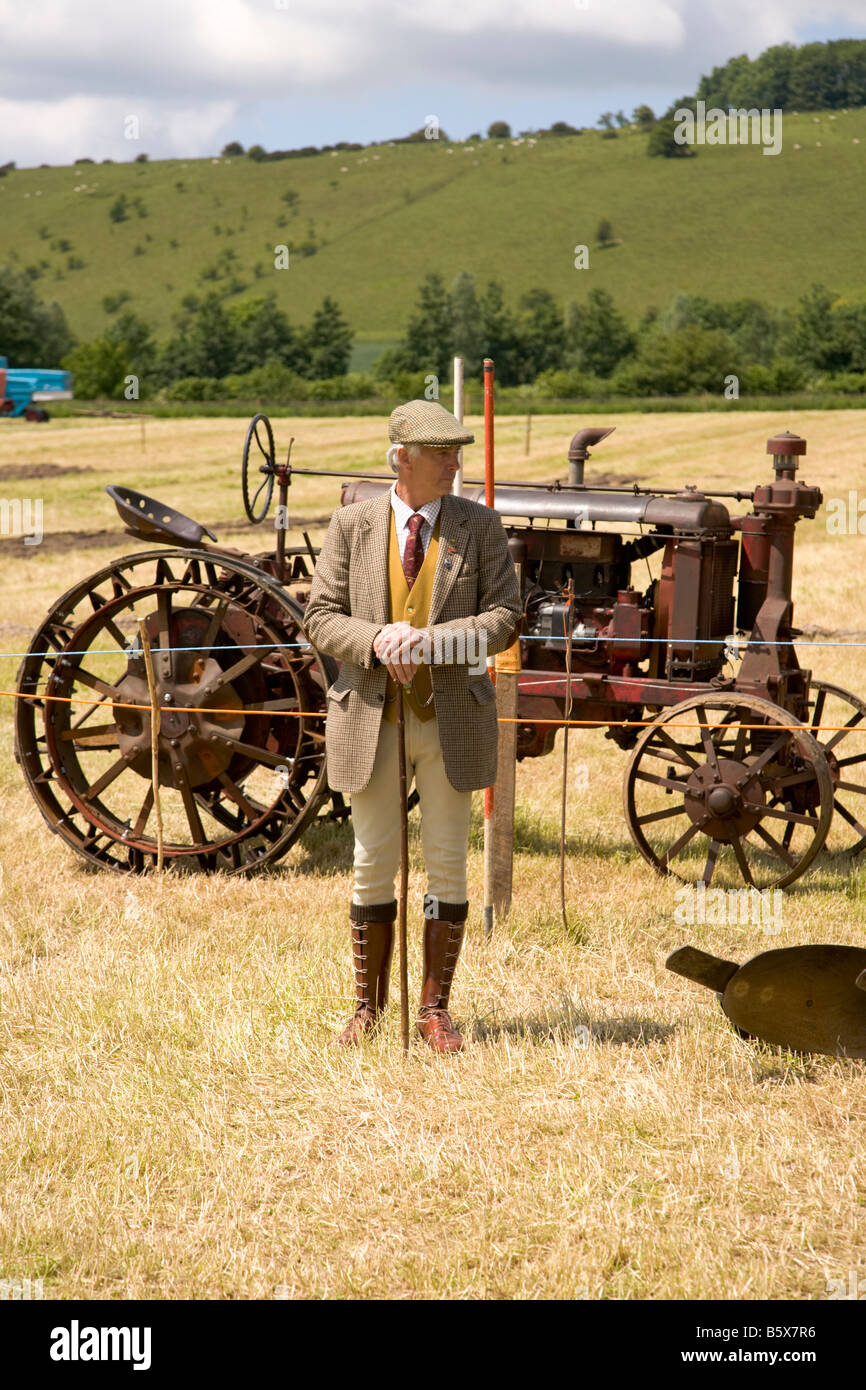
(320, 714)
(178, 709)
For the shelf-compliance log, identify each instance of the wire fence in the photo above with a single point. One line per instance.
(132, 650)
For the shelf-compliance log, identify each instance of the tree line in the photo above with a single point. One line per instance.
(694, 344)
(210, 339)
(588, 348)
(812, 77)
(826, 75)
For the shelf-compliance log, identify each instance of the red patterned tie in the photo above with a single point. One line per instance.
(413, 555)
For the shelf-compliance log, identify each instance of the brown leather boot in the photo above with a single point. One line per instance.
(372, 948)
(442, 942)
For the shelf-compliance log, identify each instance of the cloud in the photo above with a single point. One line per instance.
(59, 132)
(69, 72)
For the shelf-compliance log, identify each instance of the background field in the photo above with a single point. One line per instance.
(731, 222)
(173, 1121)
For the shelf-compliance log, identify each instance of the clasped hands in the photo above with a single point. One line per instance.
(394, 645)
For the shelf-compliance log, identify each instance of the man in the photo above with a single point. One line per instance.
(413, 571)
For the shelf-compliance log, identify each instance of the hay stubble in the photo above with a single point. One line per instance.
(175, 1122)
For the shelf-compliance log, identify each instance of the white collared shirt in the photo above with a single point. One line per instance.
(402, 513)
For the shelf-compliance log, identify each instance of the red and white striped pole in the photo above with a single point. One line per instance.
(489, 501)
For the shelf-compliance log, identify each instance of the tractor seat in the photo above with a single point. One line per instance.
(155, 521)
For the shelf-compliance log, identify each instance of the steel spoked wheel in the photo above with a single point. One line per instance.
(843, 742)
(241, 768)
(259, 457)
(722, 789)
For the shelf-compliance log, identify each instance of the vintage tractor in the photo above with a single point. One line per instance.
(738, 757)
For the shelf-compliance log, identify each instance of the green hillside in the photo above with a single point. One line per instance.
(729, 223)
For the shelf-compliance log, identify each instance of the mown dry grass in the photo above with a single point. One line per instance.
(174, 1121)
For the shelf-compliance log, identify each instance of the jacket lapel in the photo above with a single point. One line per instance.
(453, 539)
(375, 534)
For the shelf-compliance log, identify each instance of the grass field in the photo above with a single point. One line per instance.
(174, 1122)
(729, 223)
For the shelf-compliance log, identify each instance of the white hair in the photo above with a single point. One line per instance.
(391, 455)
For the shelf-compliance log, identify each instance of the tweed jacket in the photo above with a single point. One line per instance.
(474, 588)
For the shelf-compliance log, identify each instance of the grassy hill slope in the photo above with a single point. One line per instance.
(731, 222)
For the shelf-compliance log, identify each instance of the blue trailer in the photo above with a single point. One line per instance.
(26, 390)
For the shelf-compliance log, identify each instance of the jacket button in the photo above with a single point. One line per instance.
(410, 610)
(381, 699)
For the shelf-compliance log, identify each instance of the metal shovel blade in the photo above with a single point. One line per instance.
(712, 971)
(802, 997)
(805, 998)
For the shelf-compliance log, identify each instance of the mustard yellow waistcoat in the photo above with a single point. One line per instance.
(411, 606)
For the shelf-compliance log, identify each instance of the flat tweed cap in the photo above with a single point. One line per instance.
(426, 422)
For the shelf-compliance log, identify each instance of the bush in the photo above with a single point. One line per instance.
(195, 388)
(846, 383)
(276, 381)
(676, 364)
(662, 141)
(604, 234)
(404, 386)
(98, 369)
(757, 380)
(567, 382)
(352, 387)
(112, 302)
(273, 382)
(788, 375)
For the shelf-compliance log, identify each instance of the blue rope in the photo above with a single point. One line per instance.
(744, 643)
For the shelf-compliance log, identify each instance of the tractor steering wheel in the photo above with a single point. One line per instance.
(268, 468)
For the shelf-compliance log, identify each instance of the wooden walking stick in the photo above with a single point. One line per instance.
(505, 786)
(569, 638)
(404, 869)
(489, 500)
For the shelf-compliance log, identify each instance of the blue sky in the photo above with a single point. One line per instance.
(283, 73)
